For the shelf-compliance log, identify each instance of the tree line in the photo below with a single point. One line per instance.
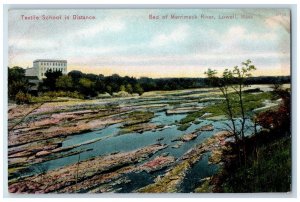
(90, 85)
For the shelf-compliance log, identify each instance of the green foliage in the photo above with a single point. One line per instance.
(16, 73)
(267, 163)
(234, 102)
(109, 89)
(86, 83)
(52, 95)
(22, 98)
(138, 117)
(184, 126)
(64, 82)
(17, 82)
(191, 117)
(129, 88)
(41, 99)
(251, 101)
(70, 94)
(49, 83)
(122, 88)
(138, 89)
(87, 87)
(268, 170)
(91, 85)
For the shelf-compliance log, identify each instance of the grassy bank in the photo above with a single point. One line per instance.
(251, 102)
(267, 168)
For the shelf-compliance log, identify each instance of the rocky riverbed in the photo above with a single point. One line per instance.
(129, 144)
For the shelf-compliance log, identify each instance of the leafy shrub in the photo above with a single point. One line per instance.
(51, 95)
(74, 94)
(22, 98)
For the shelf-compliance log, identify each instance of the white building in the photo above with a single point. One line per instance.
(41, 66)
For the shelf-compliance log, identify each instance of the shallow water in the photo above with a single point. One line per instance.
(200, 170)
(111, 142)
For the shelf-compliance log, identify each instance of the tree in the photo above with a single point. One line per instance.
(64, 82)
(122, 88)
(50, 81)
(100, 84)
(129, 88)
(76, 75)
(17, 82)
(231, 85)
(87, 87)
(138, 89)
(240, 74)
(223, 85)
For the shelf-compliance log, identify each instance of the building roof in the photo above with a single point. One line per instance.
(48, 60)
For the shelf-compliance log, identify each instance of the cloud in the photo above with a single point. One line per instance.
(178, 35)
(204, 59)
(27, 44)
(239, 39)
(106, 26)
(128, 39)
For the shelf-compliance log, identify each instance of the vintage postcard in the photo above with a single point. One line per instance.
(149, 101)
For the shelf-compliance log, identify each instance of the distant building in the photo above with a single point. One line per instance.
(34, 83)
(41, 66)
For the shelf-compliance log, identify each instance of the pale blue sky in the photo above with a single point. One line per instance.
(127, 42)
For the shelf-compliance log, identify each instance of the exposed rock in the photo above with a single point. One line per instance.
(138, 128)
(42, 153)
(85, 170)
(206, 115)
(20, 154)
(209, 127)
(183, 110)
(157, 163)
(174, 177)
(179, 144)
(189, 137)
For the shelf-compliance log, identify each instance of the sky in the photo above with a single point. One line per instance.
(128, 42)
